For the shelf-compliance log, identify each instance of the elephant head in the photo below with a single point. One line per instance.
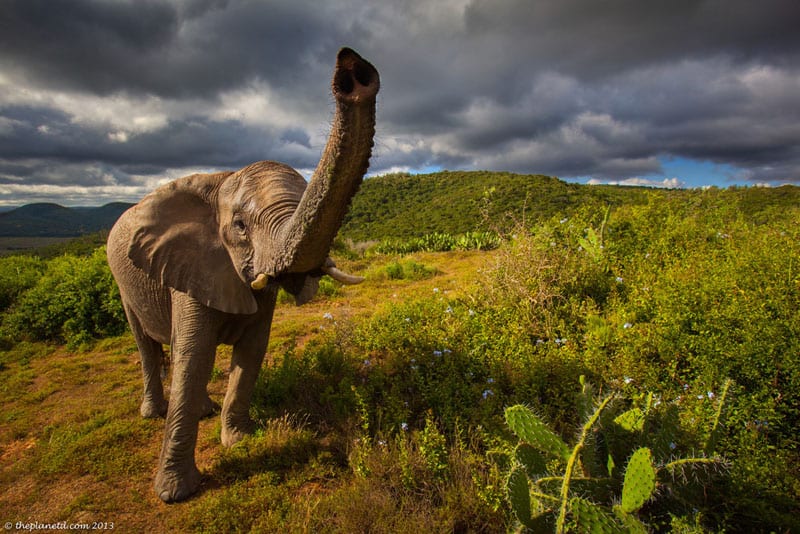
(218, 237)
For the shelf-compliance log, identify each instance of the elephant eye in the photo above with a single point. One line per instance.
(239, 225)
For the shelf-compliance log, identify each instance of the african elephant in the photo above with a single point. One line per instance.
(199, 262)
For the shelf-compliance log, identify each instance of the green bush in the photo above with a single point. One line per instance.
(74, 300)
(18, 274)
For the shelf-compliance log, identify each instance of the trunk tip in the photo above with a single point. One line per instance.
(355, 79)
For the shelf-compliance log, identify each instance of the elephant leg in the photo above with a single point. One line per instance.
(248, 355)
(153, 368)
(193, 350)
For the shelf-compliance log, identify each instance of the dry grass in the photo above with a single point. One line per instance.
(73, 447)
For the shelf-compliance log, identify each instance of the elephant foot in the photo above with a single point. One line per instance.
(173, 486)
(234, 433)
(209, 407)
(151, 409)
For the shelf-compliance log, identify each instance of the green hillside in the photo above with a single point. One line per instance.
(455, 202)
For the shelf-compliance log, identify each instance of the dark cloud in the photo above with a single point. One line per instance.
(117, 93)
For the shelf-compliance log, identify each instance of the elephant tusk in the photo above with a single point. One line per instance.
(260, 282)
(341, 276)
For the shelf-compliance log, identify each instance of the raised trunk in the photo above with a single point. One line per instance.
(309, 233)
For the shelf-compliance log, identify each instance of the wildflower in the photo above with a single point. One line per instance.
(627, 380)
(447, 351)
(701, 397)
(404, 426)
(488, 393)
(328, 316)
(437, 353)
(562, 221)
(408, 319)
(710, 395)
(449, 309)
(367, 363)
(619, 279)
(490, 380)
(471, 313)
(627, 325)
(672, 445)
(435, 289)
(539, 341)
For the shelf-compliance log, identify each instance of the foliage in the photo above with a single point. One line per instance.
(439, 242)
(17, 275)
(74, 300)
(584, 495)
(392, 416)
(404, 206)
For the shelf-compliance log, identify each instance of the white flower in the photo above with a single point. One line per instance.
(627, 325)
(328, 316)
(627, 380)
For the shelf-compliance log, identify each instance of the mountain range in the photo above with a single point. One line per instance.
(53, 220)
(403, 206)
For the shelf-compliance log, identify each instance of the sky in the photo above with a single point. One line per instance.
(104, 100)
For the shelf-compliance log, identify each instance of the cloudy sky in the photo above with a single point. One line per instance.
(102, 100)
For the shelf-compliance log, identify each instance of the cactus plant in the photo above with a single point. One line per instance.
(541, 507)
(640, 480)
(530, 429)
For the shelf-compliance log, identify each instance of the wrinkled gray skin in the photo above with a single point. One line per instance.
(188, 257)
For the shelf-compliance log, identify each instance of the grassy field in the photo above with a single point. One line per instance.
(74, 447)
(382, 407)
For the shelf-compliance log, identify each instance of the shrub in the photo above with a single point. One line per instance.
(73, 301)
(17, 274)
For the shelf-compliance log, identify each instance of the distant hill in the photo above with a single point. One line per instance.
(53, 220)
(405, 206)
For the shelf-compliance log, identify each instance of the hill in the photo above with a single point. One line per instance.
(404, 206)
(53, 220)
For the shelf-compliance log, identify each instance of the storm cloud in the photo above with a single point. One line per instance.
(104, 100)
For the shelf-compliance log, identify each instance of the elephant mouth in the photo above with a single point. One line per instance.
(260, 281)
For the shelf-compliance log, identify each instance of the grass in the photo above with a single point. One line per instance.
(74, 447)
(380, 407)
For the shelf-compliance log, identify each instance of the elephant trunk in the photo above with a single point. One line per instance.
(309, 233)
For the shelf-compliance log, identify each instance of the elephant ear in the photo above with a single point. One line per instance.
(177, 243)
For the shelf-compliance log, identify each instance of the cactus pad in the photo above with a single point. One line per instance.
(529, 428)
(589, 517)
(640, 480)
(519, 495)
(632, 420)
(535, 464)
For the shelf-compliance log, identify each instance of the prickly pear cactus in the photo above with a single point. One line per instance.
(529, 428)
(640, 480)
(589, 517)
(632, 420)
(535, 464)
(519, 495)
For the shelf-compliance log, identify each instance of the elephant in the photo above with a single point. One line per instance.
(199, 262)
